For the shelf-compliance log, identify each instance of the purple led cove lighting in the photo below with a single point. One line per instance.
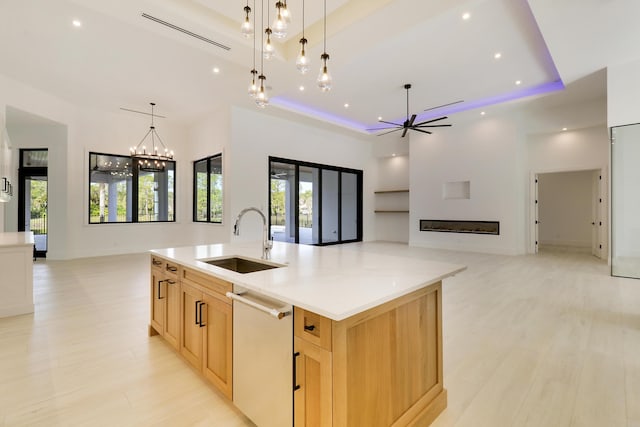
(287, 104)
(483, 102)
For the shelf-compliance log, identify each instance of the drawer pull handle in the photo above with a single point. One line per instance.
(172, 268)
(202, 325)
(196, 311)
(309, 327)
(156, 262)
(170, 282)
(160, 287)
(296, 386)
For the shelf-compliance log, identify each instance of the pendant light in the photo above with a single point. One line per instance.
(280, 24)
(268, 51)
(285, 12)
(324, 78)
(302, 61)
(262, 99)
(253, 86)
(246, 28)
(154, 160)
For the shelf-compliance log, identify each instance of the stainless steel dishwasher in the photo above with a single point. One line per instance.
(262, 358)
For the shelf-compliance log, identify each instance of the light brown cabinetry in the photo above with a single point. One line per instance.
(379, 368)
(207, 328)
(190, 310)
(165, 300)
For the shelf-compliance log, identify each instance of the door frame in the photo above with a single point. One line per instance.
(601, 221)
(23, 173)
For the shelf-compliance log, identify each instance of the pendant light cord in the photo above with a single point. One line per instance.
(262, 40)
(325, 26)
(254, 37)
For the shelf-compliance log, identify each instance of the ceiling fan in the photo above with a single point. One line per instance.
(409, 123)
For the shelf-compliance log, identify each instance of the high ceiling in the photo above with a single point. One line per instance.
(117, 58)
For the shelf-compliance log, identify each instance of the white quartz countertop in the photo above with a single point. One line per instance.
(22, 238)
(333, 281)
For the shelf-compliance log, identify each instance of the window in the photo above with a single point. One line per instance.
(314, 204)
(120, 193)
(207, 189)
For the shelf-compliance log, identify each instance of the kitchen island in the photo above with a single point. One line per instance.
(16, 267)
(367, 328)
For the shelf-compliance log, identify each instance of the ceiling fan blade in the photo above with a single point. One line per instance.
(384, 133)
(420, 130)
(413, 118)
(432, 120)
(404, 132)
(432, 126)
(389, 127)
(390, 123)
(444, 105)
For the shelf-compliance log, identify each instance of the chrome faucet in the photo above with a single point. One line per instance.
(266, 243)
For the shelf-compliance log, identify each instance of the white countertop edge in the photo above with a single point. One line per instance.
(252, 281)
(16, 239)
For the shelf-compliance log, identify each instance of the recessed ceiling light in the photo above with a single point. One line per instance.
(379, 118)
(482, 113)
(76, 23)
(466, 16)
(518, 82)
(346, 105)
(563, 129)
(498, 55)
(216, 70)
(301, 88)
(393, 154)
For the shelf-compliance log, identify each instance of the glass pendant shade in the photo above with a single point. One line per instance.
(280, 24)
(324, 78)
(268, 51)
(262, 99)
(280, 27)
(302, 61)
(247, 27)
(285, 13)
(253, 86)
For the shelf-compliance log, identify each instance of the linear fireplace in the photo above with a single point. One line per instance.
(454, 226)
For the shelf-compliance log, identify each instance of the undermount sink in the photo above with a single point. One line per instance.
(241, 265)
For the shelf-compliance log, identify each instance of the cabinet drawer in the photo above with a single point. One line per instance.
(157, 262)
(209, 282)
(171, 269)
(312, 327)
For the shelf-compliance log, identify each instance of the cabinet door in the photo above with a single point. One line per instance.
(157, 301)
(191, 336)
(172, 312)
(217, 364)
(313, 398)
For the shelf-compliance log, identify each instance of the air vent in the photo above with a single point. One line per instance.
(184, 31)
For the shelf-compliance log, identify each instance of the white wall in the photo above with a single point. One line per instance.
(207, 137)
(488, 153)
(53, 137)
(393, 174)
(623, 94)
(256, 135)
(565, 202)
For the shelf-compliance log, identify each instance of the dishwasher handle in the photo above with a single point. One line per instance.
(278, 314)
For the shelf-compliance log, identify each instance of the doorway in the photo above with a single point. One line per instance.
(33, 197)
(568, 211)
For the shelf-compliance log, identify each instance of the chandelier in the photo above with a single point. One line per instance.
(278, 29)
(154, 159)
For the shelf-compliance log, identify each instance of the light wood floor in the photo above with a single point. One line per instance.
(545, 340)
